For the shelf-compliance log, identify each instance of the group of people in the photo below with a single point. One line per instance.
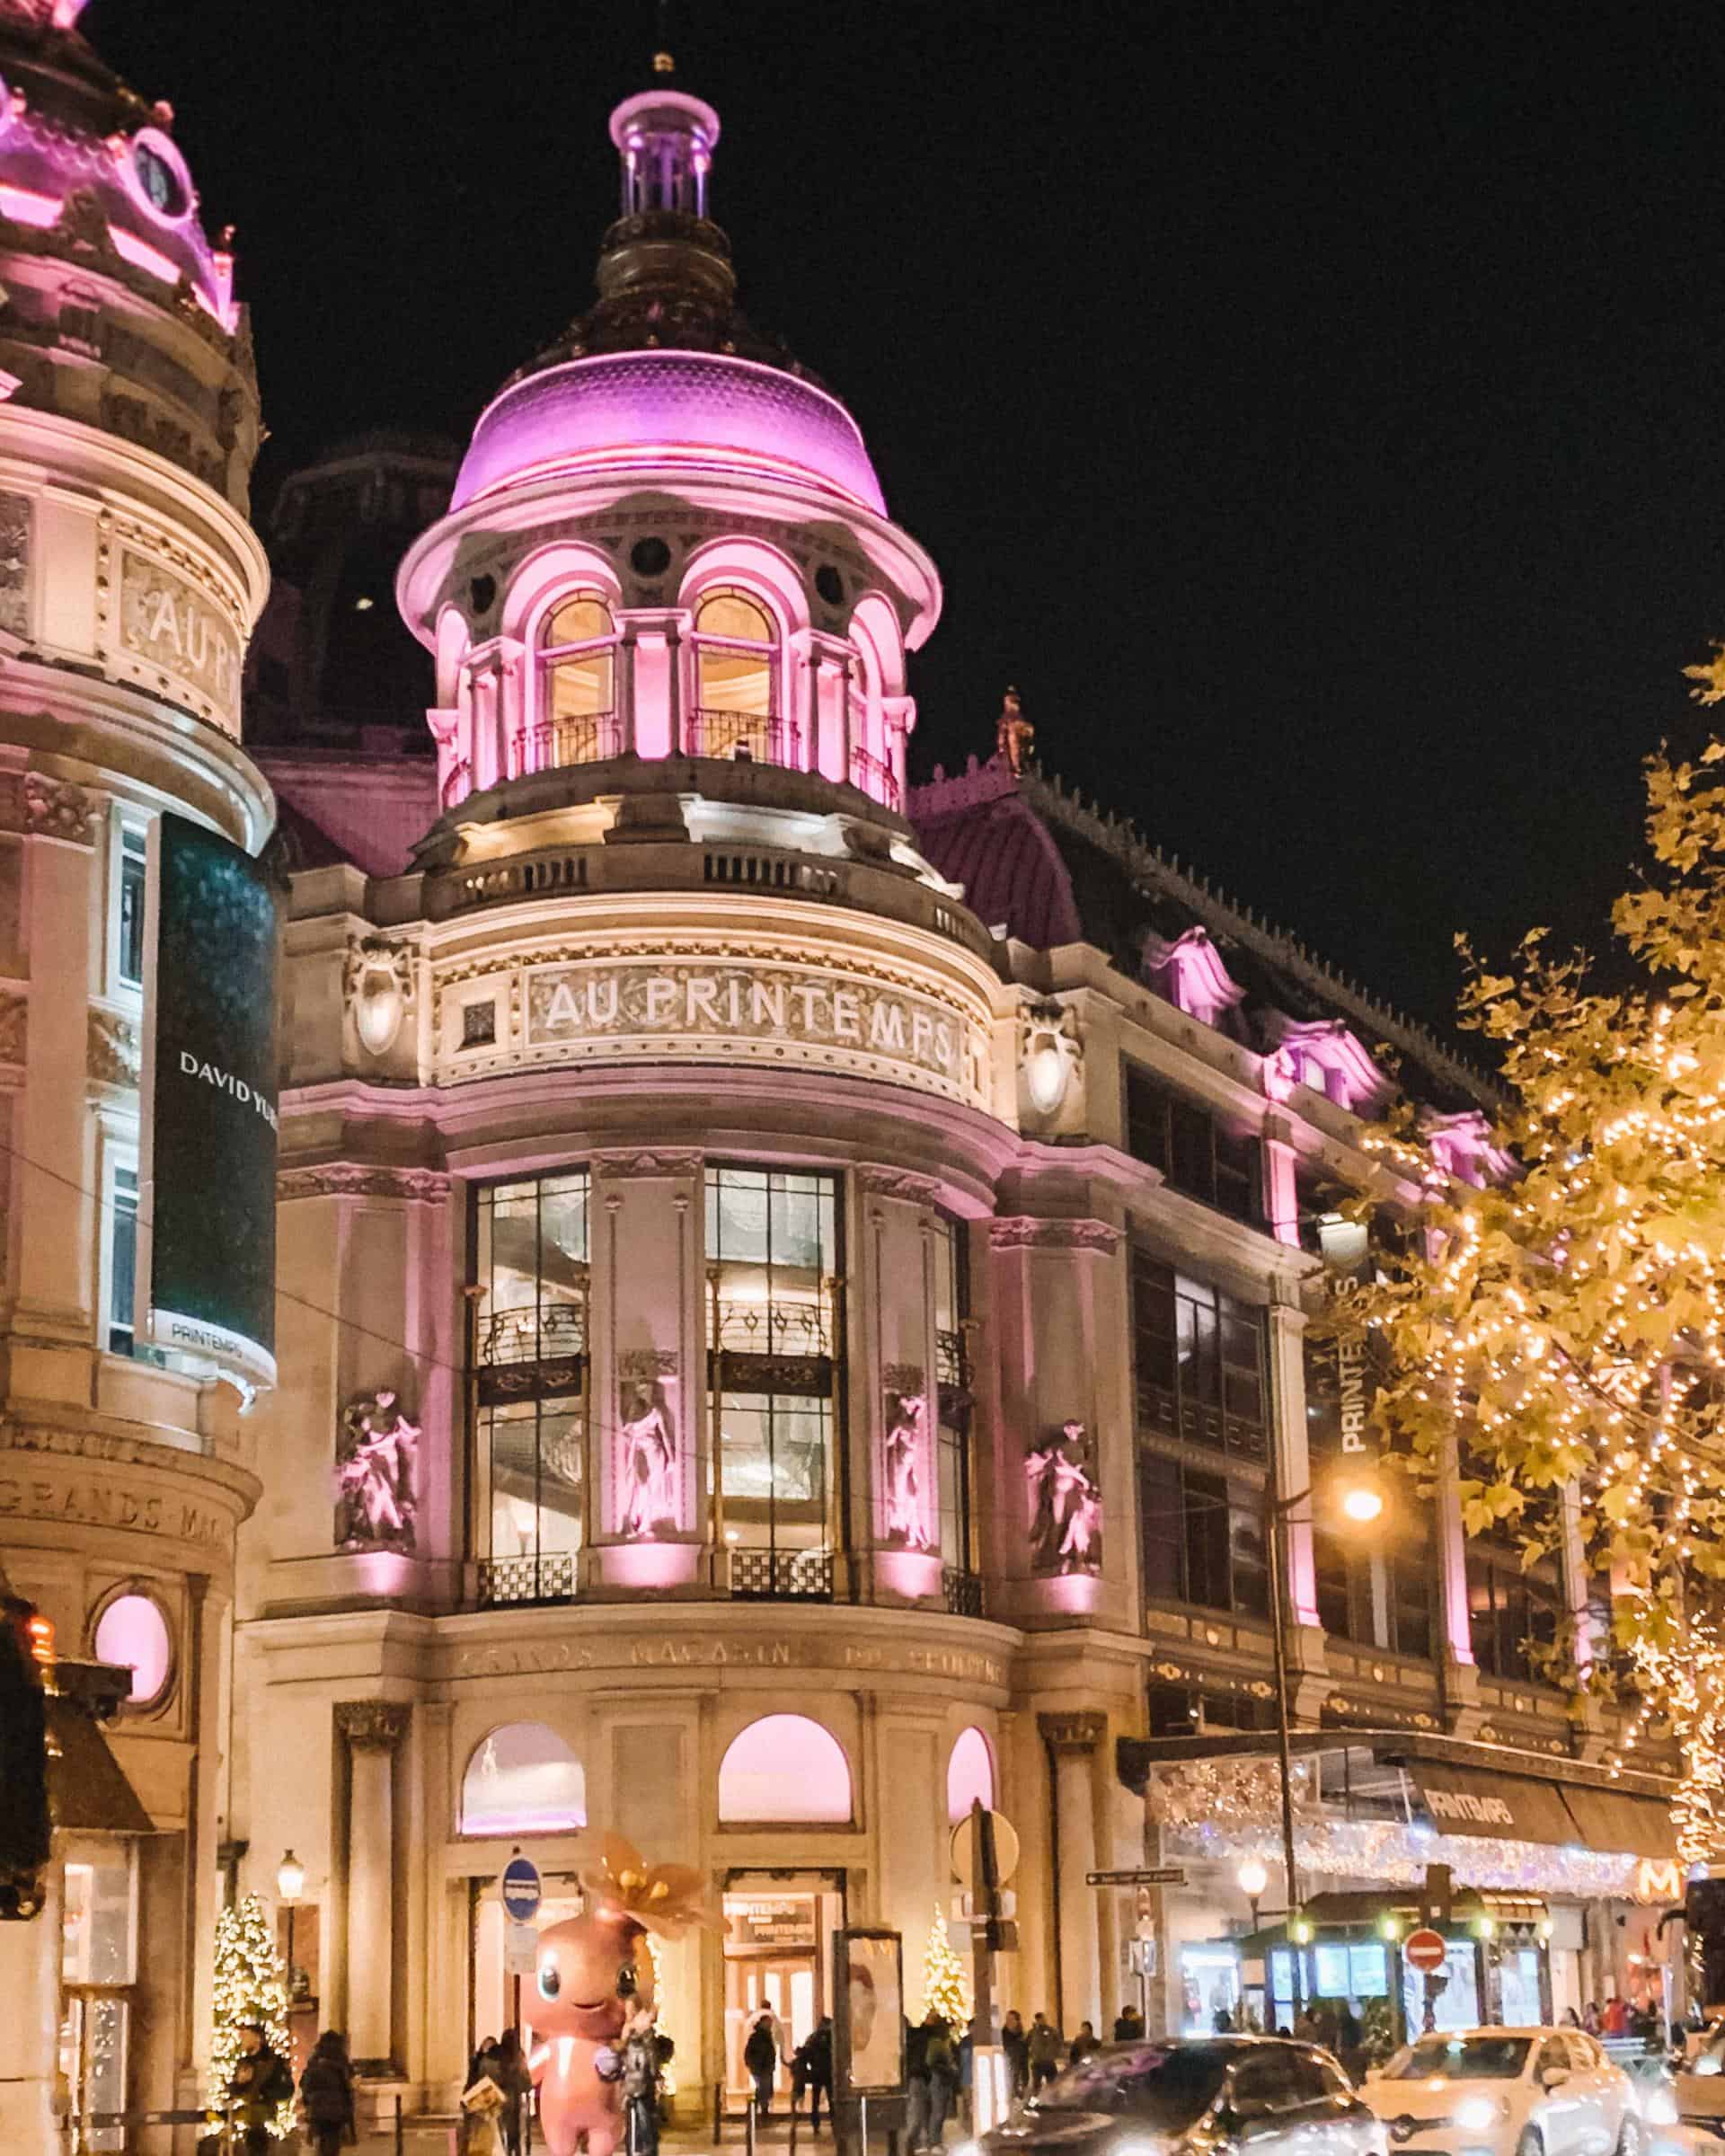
(263, 2081)
(494, 2123)
(1034, 2056)
(811, 2063)
(1619, 2017)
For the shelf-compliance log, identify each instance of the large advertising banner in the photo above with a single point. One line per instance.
(207, 1139)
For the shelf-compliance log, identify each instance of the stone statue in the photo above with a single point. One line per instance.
(1013, 734)
(375, 1456)
(1065, 1504)
(649, 1497)
(902, 1479)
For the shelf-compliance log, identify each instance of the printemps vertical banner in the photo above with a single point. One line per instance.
(206, 1170)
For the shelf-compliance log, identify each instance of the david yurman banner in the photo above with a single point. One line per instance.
(206, 1211)
(805, 1013)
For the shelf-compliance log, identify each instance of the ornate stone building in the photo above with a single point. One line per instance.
(796, 1285)
(129, 580)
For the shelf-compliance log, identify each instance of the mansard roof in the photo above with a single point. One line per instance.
(1041, 866)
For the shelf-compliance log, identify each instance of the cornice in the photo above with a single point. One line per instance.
(120, 1448)
(1020, 1233)
(350, 1178)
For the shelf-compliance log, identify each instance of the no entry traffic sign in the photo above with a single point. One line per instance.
(1425, 1951)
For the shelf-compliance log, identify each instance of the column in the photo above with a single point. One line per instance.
(1292, 1463)
(373, 1728)
(1072, 1740)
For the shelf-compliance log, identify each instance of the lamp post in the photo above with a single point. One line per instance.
(290, 1884)
(1360, 1501)
(1252, 1878)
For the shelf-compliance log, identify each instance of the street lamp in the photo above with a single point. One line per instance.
(290, 1884)
(1359, 1498)
(1252, 1878)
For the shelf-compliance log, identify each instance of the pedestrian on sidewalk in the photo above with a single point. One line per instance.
(1129, 2026)
(514, 2077)
(326, 2091)
(761, 2056)
(816, 2055)
(263, 2081)
(1046, 2047)
(1017, 2044)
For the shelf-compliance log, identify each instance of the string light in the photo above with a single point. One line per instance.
(250, 1987)
(1558, 1324)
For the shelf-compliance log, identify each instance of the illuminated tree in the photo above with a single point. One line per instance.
(251, 1986)
(946, 1991)
(1560, 1324)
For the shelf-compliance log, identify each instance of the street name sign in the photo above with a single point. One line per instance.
(1156, 1875)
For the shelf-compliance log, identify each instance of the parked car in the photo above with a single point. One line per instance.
(1220, 2095)
(1507, 2092)
(1685, 2116)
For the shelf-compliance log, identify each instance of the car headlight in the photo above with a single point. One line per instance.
(1660, 2109)
(1480, 2114)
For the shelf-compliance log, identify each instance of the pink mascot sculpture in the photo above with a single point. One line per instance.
(592, 1976)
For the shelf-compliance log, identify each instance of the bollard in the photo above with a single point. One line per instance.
(718, 2113)
(398, 2127)
(794, 2114)
(748, 2127)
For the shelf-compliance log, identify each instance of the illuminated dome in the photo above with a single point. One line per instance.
(695, 410)
(88, 165)
(666, 370)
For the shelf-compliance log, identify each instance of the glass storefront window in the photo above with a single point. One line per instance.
(530, 1347)
(951, 1309)
(98, 1964)
(775, 1357)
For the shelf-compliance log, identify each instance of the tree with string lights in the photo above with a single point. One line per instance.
(1559, 1324)
(946, 1991)
(251, 1990)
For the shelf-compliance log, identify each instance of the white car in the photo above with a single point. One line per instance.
(1507, 2092)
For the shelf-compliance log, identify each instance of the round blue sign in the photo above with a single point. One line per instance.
(521, 1889)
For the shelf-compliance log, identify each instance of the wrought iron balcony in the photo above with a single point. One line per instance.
(743, 737)
(544, 1333)
(870, 775)
(515, 1582)
(963, 1592)
(592, 738)
(751, 1327)
(952, 1362)
(782, 1575)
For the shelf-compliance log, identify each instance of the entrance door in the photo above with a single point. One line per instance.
(778, 1934)
(490, 2003)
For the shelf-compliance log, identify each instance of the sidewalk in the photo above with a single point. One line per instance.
(435, 2136)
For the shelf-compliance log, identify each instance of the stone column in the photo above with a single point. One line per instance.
(1072, 1740)
(373, 1729)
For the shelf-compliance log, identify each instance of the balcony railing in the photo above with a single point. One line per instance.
(743, 737)
(1198, 1422)
(459, 784)
(746, 1328)
(870, 775)
(534, 1335)
(514, 1582)
(963, 1592)
(591, 739)
(782, 1575)
(952, 1362)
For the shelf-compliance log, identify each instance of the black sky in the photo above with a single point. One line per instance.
(1314, 409)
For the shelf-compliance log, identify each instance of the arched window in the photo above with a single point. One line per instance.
(523, 1779)
(736, 657)
(781, 1770)
(576, 712)
(970, 1774)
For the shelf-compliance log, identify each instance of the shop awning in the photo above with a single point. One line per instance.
(1612, 1819)
(1506, 1806)
(87, 1788)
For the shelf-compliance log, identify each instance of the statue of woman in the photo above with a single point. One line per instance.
(650, 1462)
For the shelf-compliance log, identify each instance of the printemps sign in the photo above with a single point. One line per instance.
(766, 1010)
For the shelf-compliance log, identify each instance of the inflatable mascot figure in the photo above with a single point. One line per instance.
(592, 1978)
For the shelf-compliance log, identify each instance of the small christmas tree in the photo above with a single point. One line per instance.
(945, 1990)
(251, 1986)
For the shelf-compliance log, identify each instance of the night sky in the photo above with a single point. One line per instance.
(1315, 410)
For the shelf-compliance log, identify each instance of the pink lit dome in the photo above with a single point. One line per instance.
(666, 370)
(88, 165)
(698, 410)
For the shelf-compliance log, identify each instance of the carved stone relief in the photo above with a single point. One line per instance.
(114, 1054)
(376, 1460)
(14, 564)
(1065, 1504)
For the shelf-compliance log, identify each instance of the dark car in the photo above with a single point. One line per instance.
(1265, 2094)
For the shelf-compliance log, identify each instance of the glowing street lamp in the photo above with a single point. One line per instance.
(290, 1884)
(1252, 1878)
